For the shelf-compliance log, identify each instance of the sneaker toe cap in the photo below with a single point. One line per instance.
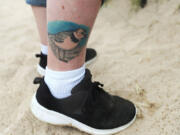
(125, 111)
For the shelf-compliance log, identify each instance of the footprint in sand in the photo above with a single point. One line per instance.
(143, 104)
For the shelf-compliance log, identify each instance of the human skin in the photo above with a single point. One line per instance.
(41, 21)
(79, 12)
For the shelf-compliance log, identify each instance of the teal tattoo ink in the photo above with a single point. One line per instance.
(74, 35)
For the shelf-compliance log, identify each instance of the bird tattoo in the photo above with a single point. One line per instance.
(66, 45)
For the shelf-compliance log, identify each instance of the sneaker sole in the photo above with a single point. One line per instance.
(55, 118)
(41, 70)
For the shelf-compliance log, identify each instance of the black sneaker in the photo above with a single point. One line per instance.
(90, 57)
(89, 108)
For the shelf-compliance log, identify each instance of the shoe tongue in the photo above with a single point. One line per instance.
(85, 84)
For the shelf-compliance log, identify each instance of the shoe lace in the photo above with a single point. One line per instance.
(94, 93)
(37, 80)
(96, 90)
(97, 84)
(38, 55)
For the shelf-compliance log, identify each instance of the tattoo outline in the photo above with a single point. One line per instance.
(60, 32)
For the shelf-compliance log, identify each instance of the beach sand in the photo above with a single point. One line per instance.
(138, 59)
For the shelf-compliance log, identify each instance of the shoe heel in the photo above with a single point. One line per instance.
(46, 115)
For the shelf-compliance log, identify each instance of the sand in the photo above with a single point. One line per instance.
(138, 59)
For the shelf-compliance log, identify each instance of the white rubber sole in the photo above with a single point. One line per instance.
(55, 118)
(41, 70)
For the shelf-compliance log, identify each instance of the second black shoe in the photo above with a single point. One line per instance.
(89, 108)
(90, 56)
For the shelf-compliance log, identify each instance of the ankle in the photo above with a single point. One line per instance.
(61, 83)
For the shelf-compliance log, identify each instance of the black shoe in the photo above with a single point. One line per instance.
(89, 108)
(90, 56)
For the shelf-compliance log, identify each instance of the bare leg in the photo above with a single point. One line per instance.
(41, 21)
(69, 14)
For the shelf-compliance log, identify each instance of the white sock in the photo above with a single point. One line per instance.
(44, 49)
(61, 83)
